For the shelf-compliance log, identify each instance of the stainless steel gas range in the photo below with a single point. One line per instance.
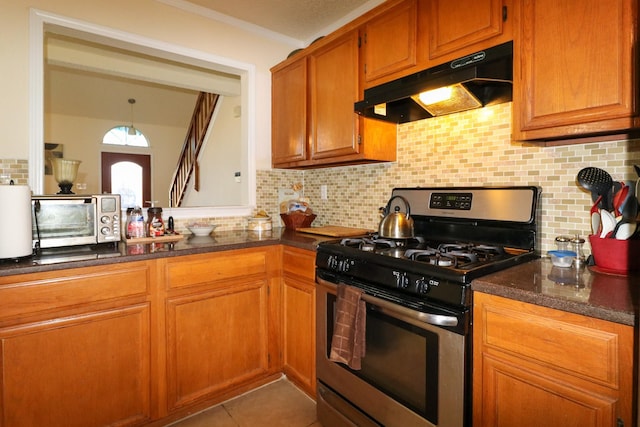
(416, 370)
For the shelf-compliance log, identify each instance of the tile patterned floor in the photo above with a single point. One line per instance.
(279, 404)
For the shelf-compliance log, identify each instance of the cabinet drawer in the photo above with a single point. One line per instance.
(32, 293)
(584, 347)
(201, 269)
(300, 262)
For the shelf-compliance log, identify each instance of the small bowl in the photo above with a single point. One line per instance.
(201, 230)
(562, 258)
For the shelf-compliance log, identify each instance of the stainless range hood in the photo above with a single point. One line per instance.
(483, 78)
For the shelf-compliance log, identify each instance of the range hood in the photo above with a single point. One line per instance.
(483, 78)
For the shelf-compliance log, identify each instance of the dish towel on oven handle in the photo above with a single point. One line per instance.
(348, 341)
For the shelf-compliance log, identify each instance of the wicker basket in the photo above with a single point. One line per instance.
(294, 220)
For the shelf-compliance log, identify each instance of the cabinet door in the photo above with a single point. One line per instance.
(333, 80)
(390, 41)
(84, 370)
(537, 366)
(289, 113)
(516, 397)
(575, 71)
(299, 320)
(216, 340)
(465, 26)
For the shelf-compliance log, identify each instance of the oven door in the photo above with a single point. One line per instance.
(413, 373)
(64, 221)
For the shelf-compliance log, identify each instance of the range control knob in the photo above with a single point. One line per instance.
(332, 262)
(402, 281)
(105, 231)
(345, 265)
(105, 219)
(422, 286)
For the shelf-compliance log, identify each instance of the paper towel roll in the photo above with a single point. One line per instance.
(15, 221)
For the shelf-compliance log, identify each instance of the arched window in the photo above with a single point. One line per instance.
(125, 135)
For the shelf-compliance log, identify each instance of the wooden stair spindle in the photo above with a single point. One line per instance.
(187, 163)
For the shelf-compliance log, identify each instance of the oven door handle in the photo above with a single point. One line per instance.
(390, 309)
(395, 310)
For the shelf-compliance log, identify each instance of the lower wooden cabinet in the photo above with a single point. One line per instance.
(75, 347)
(299, 318)
(140, 343)
(536, 366)
(222, 322)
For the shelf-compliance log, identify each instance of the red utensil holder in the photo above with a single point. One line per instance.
(616, 256)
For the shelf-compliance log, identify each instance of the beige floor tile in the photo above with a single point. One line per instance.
(216, 416)
(279, 404)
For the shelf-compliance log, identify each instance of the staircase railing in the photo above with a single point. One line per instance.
(188, 163)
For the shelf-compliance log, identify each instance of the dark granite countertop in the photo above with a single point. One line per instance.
(110, 254)
(585, 291)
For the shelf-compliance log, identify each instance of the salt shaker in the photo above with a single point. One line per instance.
(578, 242)
(562, 242)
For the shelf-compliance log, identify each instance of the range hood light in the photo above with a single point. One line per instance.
(458, 99)
(380, 109)
(436, 95)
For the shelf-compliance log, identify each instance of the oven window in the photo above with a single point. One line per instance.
(401, 360)
(63, 220)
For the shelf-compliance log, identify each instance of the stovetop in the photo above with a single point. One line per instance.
(461, 234)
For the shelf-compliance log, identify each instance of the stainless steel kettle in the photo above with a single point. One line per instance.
(396, 224)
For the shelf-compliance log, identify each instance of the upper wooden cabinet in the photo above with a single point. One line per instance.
(390, 42)
(314, 123)
(458, 28)
(575, 69)
(289, 113)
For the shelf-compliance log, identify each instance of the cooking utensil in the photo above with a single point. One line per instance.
(599, 182)
(625, 229)
(396, 225)
(595, 217)
(608, 223)
(619, 197)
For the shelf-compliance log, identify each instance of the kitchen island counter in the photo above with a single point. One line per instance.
(189, 245)
(586, 291)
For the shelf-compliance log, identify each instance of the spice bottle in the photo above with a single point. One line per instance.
(155, 224)
(135, 223)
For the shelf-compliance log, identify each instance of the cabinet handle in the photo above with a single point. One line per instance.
(504, 13)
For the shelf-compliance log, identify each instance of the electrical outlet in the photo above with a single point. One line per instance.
(323, 192)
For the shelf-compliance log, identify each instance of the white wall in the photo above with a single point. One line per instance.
(147, 18)
(217, 180)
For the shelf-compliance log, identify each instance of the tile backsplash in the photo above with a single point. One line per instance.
(472, 148)
(14, 169)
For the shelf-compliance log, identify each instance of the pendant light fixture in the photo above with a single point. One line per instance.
(132, 130)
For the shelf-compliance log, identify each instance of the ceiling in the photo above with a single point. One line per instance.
(303, 20)
(73, 92)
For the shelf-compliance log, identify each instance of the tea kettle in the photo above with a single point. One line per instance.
(396, 225)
